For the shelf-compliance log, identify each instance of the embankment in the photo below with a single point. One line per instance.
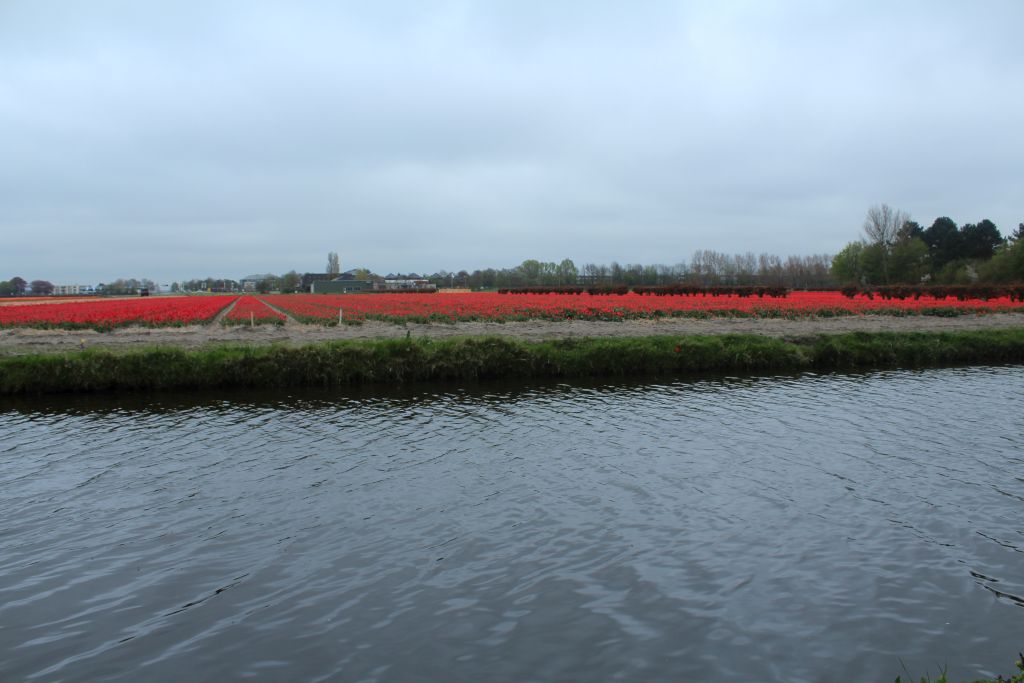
(471, 358)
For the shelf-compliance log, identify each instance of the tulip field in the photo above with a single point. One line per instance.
(251, 311)
(105, 314)
(324, 309)
(487, 306)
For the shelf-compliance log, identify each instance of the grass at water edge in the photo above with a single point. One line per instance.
(473, 358)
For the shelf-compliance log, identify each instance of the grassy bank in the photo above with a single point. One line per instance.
(1014, 678)
(408, 360)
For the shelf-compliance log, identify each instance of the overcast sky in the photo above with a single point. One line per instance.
(181, 139)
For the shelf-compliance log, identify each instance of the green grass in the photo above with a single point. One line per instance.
(1014, 678)
(471, 358)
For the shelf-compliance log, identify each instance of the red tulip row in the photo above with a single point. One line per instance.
(313, 308)
(104, 314)
(978, 292)
(251, 311)
(659, 290)
(736, 290)
(324, 308)
(567, 289)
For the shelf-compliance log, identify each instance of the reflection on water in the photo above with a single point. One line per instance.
(796, 528)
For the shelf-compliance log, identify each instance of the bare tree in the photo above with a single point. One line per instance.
(769, 270)
(881, 226)
(746, 268)
(333, 263)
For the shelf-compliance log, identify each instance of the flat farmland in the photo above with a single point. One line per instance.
(106, 314)
(405, 308)
(197, 321)
(485, 306)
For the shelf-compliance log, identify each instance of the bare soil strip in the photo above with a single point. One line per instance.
(24, 340)
(288, 319)
(223, 312)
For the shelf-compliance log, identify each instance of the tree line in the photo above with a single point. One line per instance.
(897, 250)
(17, 286)
(288, 283)
(126, 286)
(894, 250)
(706, 268)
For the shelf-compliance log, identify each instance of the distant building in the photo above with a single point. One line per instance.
(73, 290)
(390, 285)
(341, 285)
(251, 282)
(309, 278)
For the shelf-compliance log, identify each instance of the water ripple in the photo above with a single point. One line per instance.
(699, 530)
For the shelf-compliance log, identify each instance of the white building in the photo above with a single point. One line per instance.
(395, 284)
(72, 290)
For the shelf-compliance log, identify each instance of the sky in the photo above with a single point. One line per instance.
(175, 140)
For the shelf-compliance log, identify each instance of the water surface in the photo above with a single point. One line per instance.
(796, 528)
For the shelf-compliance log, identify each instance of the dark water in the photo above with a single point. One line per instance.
(810, 528)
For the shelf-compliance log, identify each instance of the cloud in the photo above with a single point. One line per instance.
(226, 138)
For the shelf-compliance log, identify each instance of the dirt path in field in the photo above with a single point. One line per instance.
(224, 311)
(35, 341)
(288, 319)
